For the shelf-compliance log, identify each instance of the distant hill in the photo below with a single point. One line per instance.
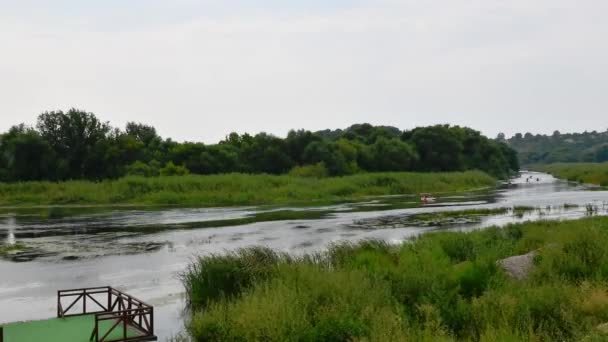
(558, 147)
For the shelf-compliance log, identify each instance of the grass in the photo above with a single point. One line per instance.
(440, 287)
(471, 215)
(7, 249)
(591, 173)
(236, 189)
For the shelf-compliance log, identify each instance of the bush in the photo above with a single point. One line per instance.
(171, 169)
(439, 287)
(305, 303)
(311, 171)
(139, 168)
(215, 277)
(458, 247)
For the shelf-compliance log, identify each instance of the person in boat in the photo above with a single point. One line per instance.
(426, 197)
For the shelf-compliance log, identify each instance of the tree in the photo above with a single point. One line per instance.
(328, 154)
(265, 153)
(25, 155)
(393, 155)
(438, 148)
(72, 135)
(297, 141)
(189, 155)
(171, 169)
(76, 145)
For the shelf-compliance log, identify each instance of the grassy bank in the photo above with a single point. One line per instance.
(441, 287)
(237, 189)
(592, 173)
(7, 249)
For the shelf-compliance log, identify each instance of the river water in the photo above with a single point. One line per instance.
(143, 251)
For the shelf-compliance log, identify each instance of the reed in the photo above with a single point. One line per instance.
(439, 287)
(237, 189)
(591, 173)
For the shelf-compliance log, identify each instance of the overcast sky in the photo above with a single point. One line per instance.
(199, 69)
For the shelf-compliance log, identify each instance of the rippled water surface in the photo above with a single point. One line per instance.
(142, 251)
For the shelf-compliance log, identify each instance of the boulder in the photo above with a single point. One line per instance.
(518, 266)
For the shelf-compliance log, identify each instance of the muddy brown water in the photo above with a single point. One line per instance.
(142, 251)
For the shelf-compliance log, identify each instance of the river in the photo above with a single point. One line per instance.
(142, 251)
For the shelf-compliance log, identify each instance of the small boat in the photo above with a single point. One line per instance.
(426, 197)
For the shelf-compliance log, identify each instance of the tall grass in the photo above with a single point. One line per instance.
(236, 189)
(592, 173)
(440, 287)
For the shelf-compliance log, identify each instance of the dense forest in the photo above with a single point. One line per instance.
(77, 145)
(558, 147)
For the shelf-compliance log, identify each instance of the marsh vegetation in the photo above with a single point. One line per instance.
(439, 287)
(238, 189)
(590, 173)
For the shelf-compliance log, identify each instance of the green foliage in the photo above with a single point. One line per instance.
(139, 168)
(440, 287)
(305, 303)
(171, 169)
(393, 154)
(238, 189)
(592, 173)
(25, 155)
(317, 170)
(77, 145)
(560, 148)
(224, 276)
(6, 249)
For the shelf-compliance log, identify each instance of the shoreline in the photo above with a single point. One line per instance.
(233, 190)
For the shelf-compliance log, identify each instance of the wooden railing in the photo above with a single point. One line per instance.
(128, 313)
(78, 305)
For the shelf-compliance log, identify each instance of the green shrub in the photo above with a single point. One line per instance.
(458, 247)
(304, 303)
(215, 277)
(439, 287)
(311, 171)
(139, 168)
(171, 169)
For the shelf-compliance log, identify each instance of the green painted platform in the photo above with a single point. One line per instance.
(71, 329)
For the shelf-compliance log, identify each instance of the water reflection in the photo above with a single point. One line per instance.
(10, 231)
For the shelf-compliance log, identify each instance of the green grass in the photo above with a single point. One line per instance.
(592, 173)
(6, 249)
(441, 287)
(236, 189)
(448, 216)
(71, 329)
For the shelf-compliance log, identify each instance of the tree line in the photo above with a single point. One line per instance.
(77, 145)
(559, 147)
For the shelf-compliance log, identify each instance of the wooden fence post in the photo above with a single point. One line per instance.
(1, 334)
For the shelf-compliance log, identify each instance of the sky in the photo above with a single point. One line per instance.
(200, 69)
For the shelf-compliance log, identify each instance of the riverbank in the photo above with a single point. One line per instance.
(590, 173)
(237, 189)
(442, 287)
